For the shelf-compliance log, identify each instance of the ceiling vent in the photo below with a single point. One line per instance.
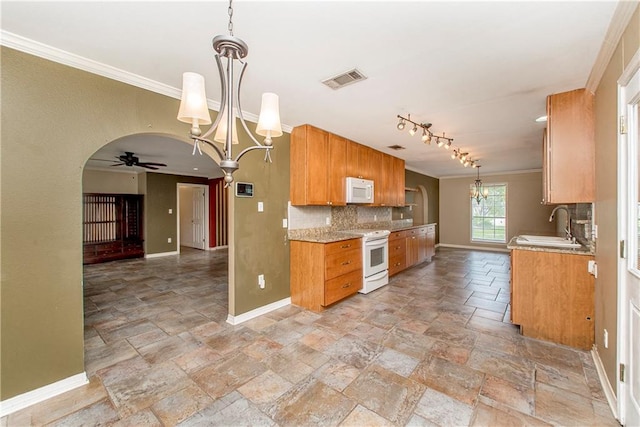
(396, 147)
(344, 79)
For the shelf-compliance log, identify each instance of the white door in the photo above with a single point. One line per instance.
(629, 290)
(198, 217)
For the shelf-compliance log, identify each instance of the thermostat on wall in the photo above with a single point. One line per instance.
(244, 189)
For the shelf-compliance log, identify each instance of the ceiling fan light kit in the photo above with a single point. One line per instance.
(194, 108)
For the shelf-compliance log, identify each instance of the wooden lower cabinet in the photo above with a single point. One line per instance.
(552, 297)
(397, 252)
(324, 273)
(411, 247)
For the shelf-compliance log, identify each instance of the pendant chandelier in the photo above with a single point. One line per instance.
(478, 191)
(194, 109)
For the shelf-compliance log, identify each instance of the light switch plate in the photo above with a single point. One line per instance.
(260, 207)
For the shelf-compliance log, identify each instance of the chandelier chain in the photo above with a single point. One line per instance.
(230, 10)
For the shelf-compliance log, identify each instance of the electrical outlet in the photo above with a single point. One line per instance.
(595, 231)
(401, 216)
(261, 281)
(327, 220)
(605, 339)
(169, 240)
(375, 218)
(284, 223)
(170, 211)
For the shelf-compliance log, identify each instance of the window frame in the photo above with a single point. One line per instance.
(472, 217)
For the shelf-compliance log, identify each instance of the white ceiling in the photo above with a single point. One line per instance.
(479, 71)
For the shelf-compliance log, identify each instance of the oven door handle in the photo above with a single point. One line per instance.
(374, 244)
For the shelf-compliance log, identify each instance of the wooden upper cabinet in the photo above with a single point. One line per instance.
(315, 178)
(320, 162)
(569, 148)
(398, 184)
(337, 170)
(358, 156)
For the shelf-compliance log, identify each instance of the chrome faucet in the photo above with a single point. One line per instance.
(567, 228)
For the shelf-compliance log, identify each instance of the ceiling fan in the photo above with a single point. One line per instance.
(129, 159)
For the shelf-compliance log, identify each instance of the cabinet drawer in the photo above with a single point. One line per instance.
(342, 286)
(397, 235)
(397, 264)
(412, 232)
(339, 263)
(342, 245)
(397, 247)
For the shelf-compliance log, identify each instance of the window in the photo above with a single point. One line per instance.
(489, 217)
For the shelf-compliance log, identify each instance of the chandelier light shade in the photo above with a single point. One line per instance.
(478, 191)
(193, 104)
(194, 109)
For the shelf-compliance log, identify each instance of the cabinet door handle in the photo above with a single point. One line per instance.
(346, 285)
(397, 247)
(346, 263)
(345, 246)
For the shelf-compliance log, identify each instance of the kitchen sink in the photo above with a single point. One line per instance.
(552, 241)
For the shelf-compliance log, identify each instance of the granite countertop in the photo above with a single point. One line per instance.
(583, 250)
(321, 235)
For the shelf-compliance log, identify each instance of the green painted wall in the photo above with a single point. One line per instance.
(432, 185)
(53, 119)
(260, 245)
(161, 195)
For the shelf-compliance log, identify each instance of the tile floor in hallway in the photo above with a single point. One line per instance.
(434, 347)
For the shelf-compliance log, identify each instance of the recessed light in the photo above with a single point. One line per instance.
(541, 119)
(195, 169)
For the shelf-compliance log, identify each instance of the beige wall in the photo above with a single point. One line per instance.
(432, 186)
(96, 181)
(41, 323)
(525, 214)
(606, 206)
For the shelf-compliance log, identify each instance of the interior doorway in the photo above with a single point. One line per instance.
(193, 216)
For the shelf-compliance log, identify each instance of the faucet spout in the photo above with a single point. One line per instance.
(568, 225)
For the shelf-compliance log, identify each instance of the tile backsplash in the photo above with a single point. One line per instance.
(581, 223)
(337, 217)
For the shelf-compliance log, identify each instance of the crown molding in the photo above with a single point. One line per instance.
(32, 47)
(621, 17)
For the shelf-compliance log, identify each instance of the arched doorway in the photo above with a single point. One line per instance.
(145, 302)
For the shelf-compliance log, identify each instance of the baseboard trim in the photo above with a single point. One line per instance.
(604, 381)
(236, 320)
(475, 248)
(161, 254)
(38, 395)
(217, 248)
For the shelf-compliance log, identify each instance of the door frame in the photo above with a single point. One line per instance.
(623, 215)
(206, 212)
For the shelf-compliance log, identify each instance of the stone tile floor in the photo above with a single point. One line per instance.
(435, 347)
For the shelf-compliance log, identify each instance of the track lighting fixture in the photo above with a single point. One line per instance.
(439, 140)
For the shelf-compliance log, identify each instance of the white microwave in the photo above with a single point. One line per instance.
(359, 190)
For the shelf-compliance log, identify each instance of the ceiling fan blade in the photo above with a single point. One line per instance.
(103, 160)
(118, 164)
(144, 165)
(152, 163)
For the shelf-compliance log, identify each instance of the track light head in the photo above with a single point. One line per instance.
(454, 154)
(441, 142)
(413, 130)
(426, 136)
(448, 145)
(400, 125)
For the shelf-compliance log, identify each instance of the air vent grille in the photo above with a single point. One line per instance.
(396, 147)
(345, 79)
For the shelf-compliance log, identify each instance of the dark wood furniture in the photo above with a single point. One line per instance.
(112, 227)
